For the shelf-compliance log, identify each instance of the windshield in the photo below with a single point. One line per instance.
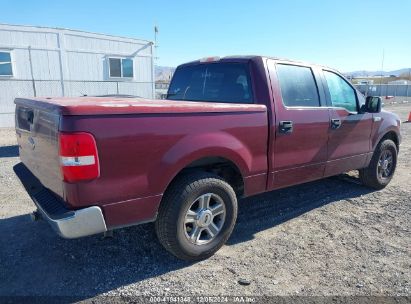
(218, 82)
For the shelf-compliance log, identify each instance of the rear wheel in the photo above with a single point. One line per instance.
(382, 165)
(196, 216)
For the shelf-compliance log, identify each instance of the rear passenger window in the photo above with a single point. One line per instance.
(341, 93)
(298, 87)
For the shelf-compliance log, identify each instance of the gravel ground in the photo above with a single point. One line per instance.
(330, 237)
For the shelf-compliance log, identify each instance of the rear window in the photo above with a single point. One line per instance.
(218, 82)
(298, 87)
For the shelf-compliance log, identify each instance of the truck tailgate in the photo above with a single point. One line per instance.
(37, 136)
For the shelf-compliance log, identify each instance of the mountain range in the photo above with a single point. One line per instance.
(164, 73)
(378, 73)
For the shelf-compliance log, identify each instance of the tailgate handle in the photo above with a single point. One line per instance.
(28, 115)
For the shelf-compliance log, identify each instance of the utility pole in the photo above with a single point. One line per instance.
(382, 64)
(409, 79)
(154, 59)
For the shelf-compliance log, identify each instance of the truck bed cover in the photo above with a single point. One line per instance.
(108, 105)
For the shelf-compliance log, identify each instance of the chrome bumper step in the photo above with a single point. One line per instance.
(67, 223)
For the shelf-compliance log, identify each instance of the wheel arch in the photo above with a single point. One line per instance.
(206, 151)
(392, 135)
(220, 166)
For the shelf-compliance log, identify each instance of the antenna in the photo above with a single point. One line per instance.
(155, 42)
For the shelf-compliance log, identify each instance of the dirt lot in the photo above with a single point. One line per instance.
(331, 237)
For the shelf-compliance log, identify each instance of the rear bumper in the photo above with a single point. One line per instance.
(67, 223)
(76, 224)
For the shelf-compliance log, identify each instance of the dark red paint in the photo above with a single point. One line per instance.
(143, 144)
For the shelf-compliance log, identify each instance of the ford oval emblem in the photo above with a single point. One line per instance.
(31, 142)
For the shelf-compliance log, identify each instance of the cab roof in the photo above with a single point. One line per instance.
(239, 58)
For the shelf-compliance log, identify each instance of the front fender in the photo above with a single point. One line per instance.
(389, 123)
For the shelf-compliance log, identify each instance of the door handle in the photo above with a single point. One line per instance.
(286, 126)
(335, 123)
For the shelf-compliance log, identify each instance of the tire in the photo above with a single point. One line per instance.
(186, 196)
(372, 176)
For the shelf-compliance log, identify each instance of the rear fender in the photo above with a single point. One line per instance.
(194, 147)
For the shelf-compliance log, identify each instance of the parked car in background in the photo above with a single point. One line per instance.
(230, 128)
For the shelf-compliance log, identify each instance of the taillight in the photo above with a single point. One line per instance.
(78, 157)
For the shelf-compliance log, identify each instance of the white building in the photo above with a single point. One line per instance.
(39, 61)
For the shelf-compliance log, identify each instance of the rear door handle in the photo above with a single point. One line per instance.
(286, 126)
(335, 123)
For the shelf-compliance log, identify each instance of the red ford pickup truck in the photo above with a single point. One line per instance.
(229, 128)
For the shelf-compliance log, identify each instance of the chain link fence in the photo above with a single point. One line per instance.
(161, 89)
(387, 90)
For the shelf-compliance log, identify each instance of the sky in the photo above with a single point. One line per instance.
(347, 35)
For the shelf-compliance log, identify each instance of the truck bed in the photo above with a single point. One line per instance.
(141, 145)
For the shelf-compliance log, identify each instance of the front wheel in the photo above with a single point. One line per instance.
(382, 165)
(196, 216)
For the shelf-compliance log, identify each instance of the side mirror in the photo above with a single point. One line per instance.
(373, 104)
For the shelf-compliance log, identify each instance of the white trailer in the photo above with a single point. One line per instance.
(40, 61)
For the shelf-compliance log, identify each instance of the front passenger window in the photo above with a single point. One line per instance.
(341, 93)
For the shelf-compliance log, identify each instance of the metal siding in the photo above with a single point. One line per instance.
(5, 37)
(142, 66)
(104, 45)
(21, 64)
(45, 65)
(84, 66)
(20, 37)
(54, 69)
